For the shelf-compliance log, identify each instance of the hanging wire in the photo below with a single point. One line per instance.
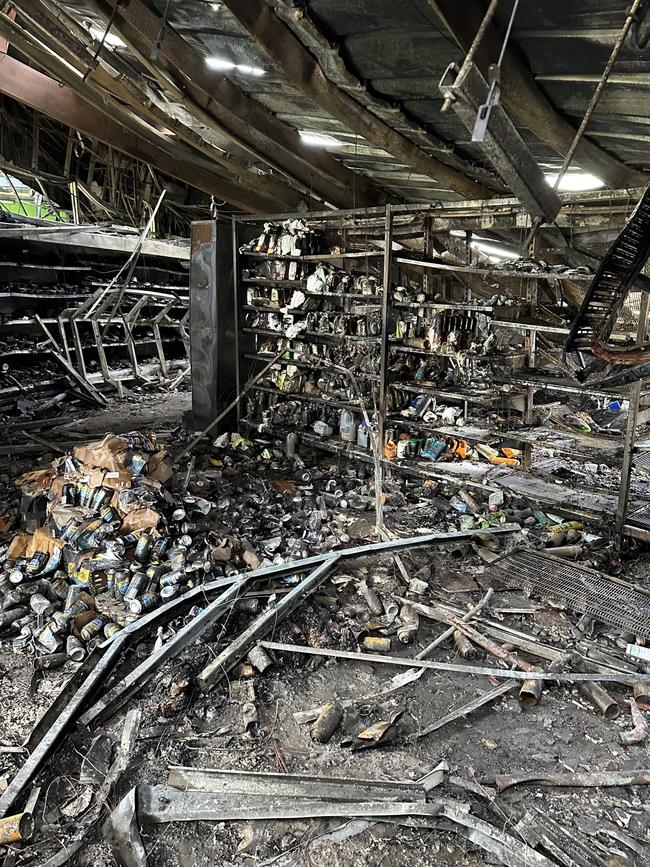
(595, 99)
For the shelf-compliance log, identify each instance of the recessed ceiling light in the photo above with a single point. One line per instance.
(321, 139)
(109, 39)
(575, 182)
(224, 65)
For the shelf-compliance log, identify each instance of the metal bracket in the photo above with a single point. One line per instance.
(493, 99)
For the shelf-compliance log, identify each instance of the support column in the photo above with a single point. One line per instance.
(212, 322)
(630, 429)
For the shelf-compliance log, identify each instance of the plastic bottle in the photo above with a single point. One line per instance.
(363, 438)
(348, 426)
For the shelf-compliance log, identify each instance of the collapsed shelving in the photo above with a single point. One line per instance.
(61, 333)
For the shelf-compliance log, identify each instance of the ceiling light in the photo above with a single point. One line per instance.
(223, 65)
(219, 63)
(321, 139)
(245, 69)
(109, 39)
(575, 182)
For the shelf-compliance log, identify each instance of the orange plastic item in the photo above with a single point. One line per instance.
(508, 462)
(511, 453)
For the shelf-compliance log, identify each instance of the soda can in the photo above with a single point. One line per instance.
(122, 581)
(14, 616)
(171, 578)
(36, 563)
(40, 605)
(110, 581)
(179, 515)
(108, 514)
(159, 547)
(169, 591)
(145, 603)
(71, 529)
(143, 548)
(74, 648)
(48, 639)
(51, 660)
(135, 586)
(60, 587)
(85, 494)
(11, 599)
(67, 495)
(16, 576)
(90, 630)
(100, 497)
(20, 642)
(111, 629)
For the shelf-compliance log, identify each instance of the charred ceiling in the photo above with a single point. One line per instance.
(268, 105)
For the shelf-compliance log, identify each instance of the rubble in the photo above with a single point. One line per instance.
(270, 580)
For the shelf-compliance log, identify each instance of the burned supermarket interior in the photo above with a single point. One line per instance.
(325, 400)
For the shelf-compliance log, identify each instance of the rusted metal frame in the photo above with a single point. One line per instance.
(98, 668)
(158, 337)
(243, 120)
(237, 649)
(634, 397)
(521, 96)
(61, 103)
(385, 344)
(128, 321)
(103, 362)
(297, 18)
(302, 69)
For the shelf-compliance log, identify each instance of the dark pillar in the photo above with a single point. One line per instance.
(212, 335)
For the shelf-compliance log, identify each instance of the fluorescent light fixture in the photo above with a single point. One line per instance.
(320, 139)
(575, 182)
(223, 65)
(493, 251)
(245, 69)
(215, 6)
(219, 63)
(111, 39)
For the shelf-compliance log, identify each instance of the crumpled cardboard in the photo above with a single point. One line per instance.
(39, 478)
(27, 544)
(111, 453)
(18, 546)
(160, 466)
(43, 540)
(140, 519)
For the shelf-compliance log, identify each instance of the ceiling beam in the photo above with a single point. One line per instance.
(244, 121)
(523, 99)
(332, 60)
(44, 94)
(81, 54)
(302, 69)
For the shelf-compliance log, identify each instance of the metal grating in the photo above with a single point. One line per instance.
(642, 461)
(582, 590)
(639, 517)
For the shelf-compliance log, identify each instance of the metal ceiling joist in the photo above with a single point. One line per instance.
(522, 98)
(502, 144)
(331, 61)
(61, 103)
(126, 89)
(243, 120)
(303, 70)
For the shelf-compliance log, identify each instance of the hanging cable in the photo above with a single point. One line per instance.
(595, 99)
